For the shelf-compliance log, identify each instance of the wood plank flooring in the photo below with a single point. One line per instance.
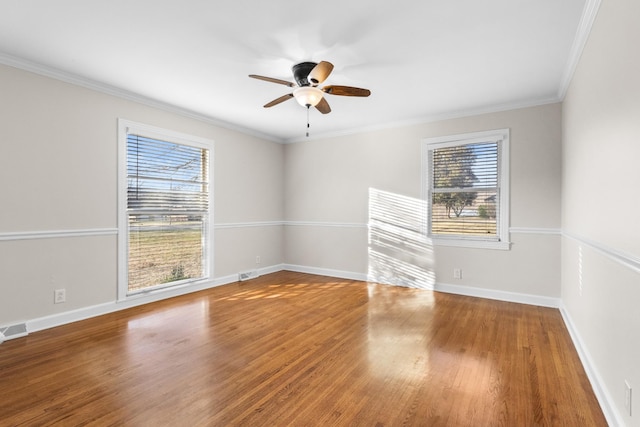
(302, 350)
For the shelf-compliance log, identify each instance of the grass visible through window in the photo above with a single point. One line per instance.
(158, 256)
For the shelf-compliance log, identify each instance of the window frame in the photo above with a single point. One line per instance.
(126, 127)
(499, 136)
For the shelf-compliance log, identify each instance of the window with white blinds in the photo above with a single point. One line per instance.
(466, 180)
(167, 210)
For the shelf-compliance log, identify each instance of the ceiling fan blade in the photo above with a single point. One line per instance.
(272, 80)
(278, 100)
(320, 72)
(346, 91)
(323, 106)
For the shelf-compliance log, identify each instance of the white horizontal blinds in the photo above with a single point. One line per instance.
(464, 190)
(167, 206)
(166, 177)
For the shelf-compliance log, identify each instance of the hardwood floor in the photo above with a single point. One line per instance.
(303, 350)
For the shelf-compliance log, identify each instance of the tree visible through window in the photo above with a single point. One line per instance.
(466, 183)
(453, 168)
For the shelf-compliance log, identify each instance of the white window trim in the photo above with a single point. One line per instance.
(126, 127)
(498, 135)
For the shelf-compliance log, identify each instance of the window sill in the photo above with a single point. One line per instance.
(469, 243)
(157, 293)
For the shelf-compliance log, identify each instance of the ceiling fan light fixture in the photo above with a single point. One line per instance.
(307, 95)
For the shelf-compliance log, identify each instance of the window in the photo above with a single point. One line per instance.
(165, 222)
(466, 182)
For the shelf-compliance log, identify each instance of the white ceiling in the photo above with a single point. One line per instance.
(421, 59)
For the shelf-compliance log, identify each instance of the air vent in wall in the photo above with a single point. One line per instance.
(246, 275)
(13, 331)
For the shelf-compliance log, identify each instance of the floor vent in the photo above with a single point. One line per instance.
(246, 275)
(13, 331)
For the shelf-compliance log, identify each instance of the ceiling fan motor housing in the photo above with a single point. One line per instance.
(301, 72)
(308, 75)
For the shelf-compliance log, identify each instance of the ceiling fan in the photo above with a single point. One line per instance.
(308, 75)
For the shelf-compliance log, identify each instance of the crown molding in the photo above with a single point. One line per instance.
(589, 13)
(74, 79)
(584, 28)
(429, 119)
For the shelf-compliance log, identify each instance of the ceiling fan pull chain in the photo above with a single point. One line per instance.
(308, 106)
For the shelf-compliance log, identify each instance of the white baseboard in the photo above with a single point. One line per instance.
(271, 269)
(83, 313)
(71, 316)
(350, 275)
(614, 418)
(602, 394)
(59, 319)
(538, 300)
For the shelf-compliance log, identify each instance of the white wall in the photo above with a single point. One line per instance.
(58, 194)
(58, 210)
(59, 218)
(327, 198)
(601, 173)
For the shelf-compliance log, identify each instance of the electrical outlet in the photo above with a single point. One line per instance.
(457, 273)
(627, 397)
(59, 296)
(258, 259)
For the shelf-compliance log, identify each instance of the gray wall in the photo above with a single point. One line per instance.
(327, 199)
(305, 205)
(601, 240)
(58, 193)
